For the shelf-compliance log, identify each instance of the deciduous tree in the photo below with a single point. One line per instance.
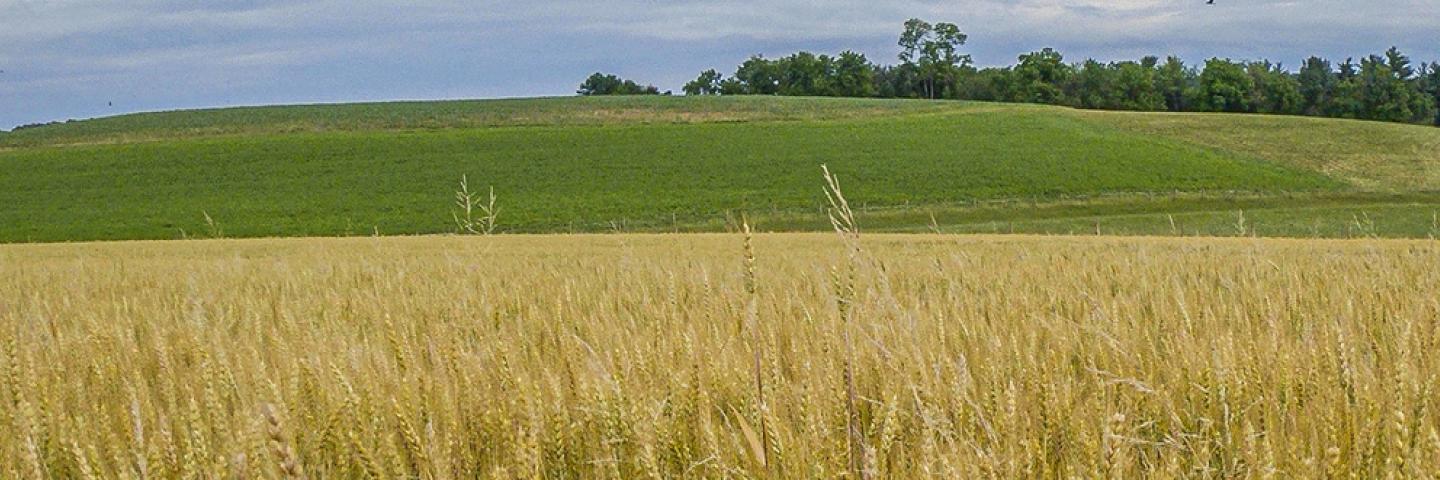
(1039, 76)
(602, 84)
(1225, 87)
(708, 83)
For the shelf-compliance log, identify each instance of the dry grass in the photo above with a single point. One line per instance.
(1372, 156)
(632, 356)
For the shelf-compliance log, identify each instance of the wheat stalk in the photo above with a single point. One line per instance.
(905, 356)
(756, 341)
(843, 221)
(279, 446)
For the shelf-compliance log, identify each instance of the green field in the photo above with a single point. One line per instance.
(661, 164)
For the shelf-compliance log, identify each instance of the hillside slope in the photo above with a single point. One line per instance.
(660, 164)
(1378, 156)
(386, 116)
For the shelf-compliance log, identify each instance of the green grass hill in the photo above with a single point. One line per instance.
(694, 164)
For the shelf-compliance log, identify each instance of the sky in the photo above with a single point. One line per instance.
(64, 59)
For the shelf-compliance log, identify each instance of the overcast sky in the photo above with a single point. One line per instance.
(71, 58)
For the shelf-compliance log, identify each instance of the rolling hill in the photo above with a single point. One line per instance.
(694, 164)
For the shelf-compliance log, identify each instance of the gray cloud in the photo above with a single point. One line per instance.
(69, 58)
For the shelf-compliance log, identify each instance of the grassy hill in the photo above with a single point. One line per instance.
(660, 164)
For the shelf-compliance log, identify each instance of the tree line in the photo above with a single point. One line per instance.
(1388, 86)
(602, 84)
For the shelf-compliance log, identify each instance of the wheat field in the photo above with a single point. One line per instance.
(684, 356)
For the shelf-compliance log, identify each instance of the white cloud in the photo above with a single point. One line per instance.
(31, 21)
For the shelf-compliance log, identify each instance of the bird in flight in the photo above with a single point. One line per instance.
(1210, 2)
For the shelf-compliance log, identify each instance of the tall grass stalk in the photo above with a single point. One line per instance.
(757, 341)
(843, 220)
(474, 216)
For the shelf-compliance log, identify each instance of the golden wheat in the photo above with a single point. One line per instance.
(636, 356)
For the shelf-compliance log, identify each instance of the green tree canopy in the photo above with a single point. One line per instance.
(708, 83)
(1039, 76)
(1225, 87)
(1175, 84)
(854, 75)
(602, 84)
(1317, 85)
(1386, 87)
(933, 52)
(1430, 84)
(1275, 90)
